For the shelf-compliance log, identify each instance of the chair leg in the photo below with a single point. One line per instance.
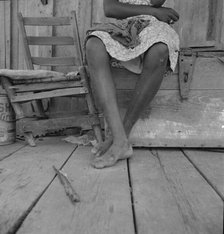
(92, 110)
(39, 108)
(17, 108)
(91, 106)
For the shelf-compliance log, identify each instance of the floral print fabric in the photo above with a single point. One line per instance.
(157, 31)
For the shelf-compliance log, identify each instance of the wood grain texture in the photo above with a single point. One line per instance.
(35, 9)
(83, 10)
(193, 24)
(55, 61)
(211, 165)
(222, 27)
(62, 9)
(50, 40)
(24, 176)
(49, 94)
(208, 74)
(47, 21)
(170, 196)
(8, 150)
(196, 122)
(5, 39)
(105, 205)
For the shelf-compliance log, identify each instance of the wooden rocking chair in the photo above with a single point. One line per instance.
(33, 85)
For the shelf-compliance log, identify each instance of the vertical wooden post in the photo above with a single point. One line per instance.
(5, 39)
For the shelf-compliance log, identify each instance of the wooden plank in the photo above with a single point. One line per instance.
(5, 25)
(41, 127)
(170, 196)
(61, 9)
(8, 150)
(211, 165)
(222, 28)
(193, 24)
(56, 61)
(216, 12)
(98, 13)
(24, 177)
(15, 36)
(2, 38)
(25, 46)
(170, 122)
(47, 21)
(7, 35)
(46, 86)
(50, 40)
(83, 10)
(36, 9)
(49, 94)
(105, 205)
(206, 71)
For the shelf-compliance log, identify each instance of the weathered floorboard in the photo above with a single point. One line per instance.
(105, 205)
(211, 165)
(170, 122)
(7, 150)
(170, 196)
(24, 176)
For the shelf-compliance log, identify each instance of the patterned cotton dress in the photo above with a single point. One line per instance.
(156, 31)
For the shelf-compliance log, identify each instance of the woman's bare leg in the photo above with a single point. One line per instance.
(155, 62)
(100, 73)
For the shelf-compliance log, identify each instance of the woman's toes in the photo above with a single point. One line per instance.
(102, 162)
(94, 150)
(101, 148)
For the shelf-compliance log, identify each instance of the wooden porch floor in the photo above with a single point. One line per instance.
(155, 192)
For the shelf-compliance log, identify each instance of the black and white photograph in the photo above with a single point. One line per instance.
(111, 116)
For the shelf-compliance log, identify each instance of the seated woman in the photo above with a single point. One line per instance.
(157, 48)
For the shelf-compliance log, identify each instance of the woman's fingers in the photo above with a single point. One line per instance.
(173, 17)
(167, 15)
(175, 13)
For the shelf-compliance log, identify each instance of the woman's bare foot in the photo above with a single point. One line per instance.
(115, 153)
(100, 148)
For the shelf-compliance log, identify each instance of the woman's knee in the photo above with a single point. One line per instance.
(159, 52)
(95, 48)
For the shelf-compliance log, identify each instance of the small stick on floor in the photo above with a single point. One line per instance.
(69, 190)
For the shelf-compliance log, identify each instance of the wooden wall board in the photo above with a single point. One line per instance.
(14, 36)
(8, 150)
(170, 196)
(25, 175)
(63, 9)
(59, 106)
(170, 122)
(5, 39)
(211, 165)
(208, 74)
(105, 205)
(222, 27)
(2, 38)
(36, 9)
(198, 23)
(98, 13)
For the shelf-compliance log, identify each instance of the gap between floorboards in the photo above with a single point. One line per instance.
(20, 221)
(203, 175)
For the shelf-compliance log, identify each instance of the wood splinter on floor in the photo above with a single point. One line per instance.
(69, 190)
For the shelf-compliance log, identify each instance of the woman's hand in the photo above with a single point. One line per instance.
(167, 15)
